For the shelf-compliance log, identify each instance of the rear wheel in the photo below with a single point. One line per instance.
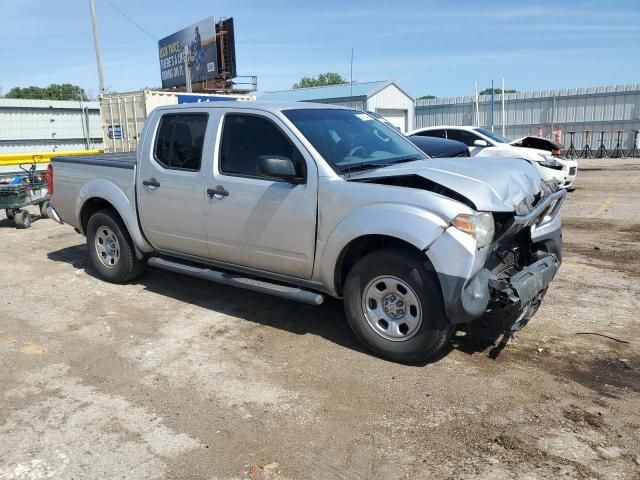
(22, 219)
(111, 248)
(43, 209)
(394, 306)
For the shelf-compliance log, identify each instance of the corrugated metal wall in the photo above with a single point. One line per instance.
(596, 109)
(48, 125)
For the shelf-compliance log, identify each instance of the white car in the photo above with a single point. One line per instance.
(485, 143)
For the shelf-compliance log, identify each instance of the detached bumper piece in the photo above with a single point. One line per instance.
(526, 285)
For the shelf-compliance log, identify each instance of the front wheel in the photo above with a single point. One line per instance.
(111, 248)
(394, 306)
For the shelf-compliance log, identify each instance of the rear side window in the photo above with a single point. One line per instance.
(432, 133)
(245, 138)
(462, 136)
(179, 142)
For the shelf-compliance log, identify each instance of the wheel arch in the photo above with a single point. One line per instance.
(372, 227)
(99, 194)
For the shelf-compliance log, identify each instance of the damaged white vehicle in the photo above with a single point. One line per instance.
(545, 153)
(303, 201)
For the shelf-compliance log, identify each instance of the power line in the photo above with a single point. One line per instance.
(136, 24)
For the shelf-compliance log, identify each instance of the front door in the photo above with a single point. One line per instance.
(253, 220)
(171, 185)
(469, 138)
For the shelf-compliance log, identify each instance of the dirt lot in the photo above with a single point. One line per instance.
(172, 377)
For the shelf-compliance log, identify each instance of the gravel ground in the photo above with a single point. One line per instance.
(172, 377)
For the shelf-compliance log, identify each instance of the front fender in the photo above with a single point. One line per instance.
(112, 193)
(413, 225)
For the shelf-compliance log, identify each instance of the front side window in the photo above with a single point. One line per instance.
(179, 141)
(245, 138)
(462, 136)
(493, 136)
(350, 140)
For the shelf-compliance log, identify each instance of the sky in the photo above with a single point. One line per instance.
(427, 47)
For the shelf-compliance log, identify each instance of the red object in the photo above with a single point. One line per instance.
(49, 178)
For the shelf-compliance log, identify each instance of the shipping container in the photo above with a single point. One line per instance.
(123, 114)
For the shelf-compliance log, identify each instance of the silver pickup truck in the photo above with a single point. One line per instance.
(303, 200)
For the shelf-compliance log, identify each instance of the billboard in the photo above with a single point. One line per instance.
(201, 40)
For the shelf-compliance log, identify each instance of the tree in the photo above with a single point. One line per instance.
(324, 79)
(497, 91)
(66, 91)
(427, 97)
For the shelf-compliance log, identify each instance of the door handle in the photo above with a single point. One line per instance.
(219, 191)
(152, 182)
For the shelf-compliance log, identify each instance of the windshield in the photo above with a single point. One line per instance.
(350, 140)
(493, 136)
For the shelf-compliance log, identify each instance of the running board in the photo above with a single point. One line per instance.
(234, 280)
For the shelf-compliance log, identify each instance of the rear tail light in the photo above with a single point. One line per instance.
(50, 179)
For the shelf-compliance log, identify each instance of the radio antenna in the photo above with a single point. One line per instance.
(351, 105)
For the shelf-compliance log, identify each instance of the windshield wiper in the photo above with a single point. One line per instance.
(411, 158)
(369, 165)
(363, 166)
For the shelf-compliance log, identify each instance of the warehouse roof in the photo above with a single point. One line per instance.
(345, 90)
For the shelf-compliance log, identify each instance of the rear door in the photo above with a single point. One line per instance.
(171, 184)
(256, 221)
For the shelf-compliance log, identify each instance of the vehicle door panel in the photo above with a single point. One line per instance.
(263, 223)
(172, 212)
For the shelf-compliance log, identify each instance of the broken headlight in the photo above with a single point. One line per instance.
(479, 225)
(551, 162)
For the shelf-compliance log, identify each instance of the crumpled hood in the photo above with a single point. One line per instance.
(491, 184)
(537, 143)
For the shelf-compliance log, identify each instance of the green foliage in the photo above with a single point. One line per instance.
(427, 97)
(66, 91)
(497, 91)
(329, 78)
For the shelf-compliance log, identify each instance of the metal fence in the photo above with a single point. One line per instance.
(598, 116)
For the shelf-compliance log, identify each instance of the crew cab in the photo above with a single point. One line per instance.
(304, 201)
(545, 154)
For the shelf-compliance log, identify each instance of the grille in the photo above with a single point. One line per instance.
(509, 255)
(572, 170)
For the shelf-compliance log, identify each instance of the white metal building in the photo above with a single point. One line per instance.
(551, 113)
(48, 125)
(385, 98)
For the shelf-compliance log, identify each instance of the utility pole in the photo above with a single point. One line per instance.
(493, 103)
(96, 43)
(187, 68)
(504, 114)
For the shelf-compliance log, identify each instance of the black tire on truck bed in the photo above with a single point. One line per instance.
(111, 248)
(408, 295)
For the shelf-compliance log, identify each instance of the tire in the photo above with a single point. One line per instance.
(43, 209)
(111, 248)
(10, 213)
(22, 219)
(397, 288)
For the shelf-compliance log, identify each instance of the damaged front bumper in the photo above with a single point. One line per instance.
(515, 270)
(525, 286)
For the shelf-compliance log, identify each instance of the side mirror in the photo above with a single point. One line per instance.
(278, 167)
(480, 143)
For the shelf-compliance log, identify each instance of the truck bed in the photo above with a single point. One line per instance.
(117, 160)
(111, 175)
